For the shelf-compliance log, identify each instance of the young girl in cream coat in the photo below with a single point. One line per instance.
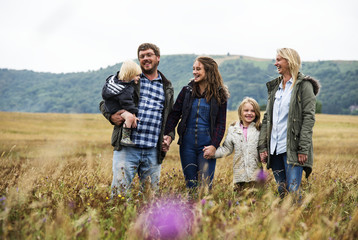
(243, 137)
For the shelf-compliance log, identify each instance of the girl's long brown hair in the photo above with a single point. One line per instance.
(215, 87)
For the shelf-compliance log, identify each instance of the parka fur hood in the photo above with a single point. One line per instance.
(315, 83)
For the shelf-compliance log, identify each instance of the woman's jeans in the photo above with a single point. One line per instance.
(288, 177)
(195, 167)
(132, 160)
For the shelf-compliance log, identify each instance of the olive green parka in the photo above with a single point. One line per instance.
(301, 119)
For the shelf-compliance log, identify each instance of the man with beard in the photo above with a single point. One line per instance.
(154, 97)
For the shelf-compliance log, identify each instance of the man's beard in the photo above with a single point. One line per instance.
(152, 70)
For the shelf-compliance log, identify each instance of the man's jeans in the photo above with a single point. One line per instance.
(287, 176)
(132, 160)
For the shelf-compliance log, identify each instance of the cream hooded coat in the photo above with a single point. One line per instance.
(246, 159)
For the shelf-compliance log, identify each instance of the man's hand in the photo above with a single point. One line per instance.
(167, 140)
(263, 157)
(302, 158)
(116, 118)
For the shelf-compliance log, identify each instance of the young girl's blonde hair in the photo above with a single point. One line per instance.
(256, 109)
(129, 70)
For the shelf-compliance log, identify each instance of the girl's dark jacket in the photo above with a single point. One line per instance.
(301, 119)
(168, 105)
(182, 108)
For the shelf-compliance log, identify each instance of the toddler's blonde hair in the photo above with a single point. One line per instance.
(129, 70)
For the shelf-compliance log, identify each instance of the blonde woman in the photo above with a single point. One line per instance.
(285, 141)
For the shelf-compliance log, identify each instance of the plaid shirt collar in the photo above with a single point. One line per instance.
(159, 78)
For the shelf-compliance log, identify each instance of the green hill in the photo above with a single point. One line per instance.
(29, 91)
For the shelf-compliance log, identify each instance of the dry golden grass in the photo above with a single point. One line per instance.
(56, 174)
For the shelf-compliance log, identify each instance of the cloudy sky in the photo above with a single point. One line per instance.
(79, 35)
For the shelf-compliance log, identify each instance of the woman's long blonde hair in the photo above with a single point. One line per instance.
(215, 87)
(256, 107)
(293, 59)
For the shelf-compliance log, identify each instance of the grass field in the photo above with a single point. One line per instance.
(56, 171)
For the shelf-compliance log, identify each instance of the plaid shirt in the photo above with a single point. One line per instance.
(151, 106)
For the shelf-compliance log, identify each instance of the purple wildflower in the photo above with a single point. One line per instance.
(261, 176)
(166, 219)
(71, 204)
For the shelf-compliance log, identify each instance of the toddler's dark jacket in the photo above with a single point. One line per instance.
(118, 95)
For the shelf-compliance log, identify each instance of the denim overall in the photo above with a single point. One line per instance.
(196, 136)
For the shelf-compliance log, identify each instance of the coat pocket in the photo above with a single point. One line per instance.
(295, 137)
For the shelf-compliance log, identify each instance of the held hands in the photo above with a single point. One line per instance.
(167, 140)
(209, 151)
(263, 157)
(302, 158)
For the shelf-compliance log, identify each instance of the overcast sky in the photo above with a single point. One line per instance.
(79, 35)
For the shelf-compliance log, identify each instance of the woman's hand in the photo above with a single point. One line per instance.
(302, 158)
(263, 157)
(209, 151)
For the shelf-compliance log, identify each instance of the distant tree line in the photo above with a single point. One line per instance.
(29, 91)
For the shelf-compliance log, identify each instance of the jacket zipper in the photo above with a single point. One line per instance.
(196, 122)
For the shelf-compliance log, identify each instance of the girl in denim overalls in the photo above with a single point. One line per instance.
(201, 107)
